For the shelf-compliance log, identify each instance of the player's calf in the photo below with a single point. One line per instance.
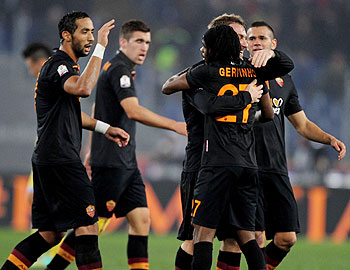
(27, 252)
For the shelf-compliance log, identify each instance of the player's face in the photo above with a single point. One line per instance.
(204, 51)
(83, 37)
(242, 35)
(260, 38)
(136, 47)
(34, 66)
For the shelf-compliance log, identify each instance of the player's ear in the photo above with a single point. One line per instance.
(67, 36)
(122, 42)
(274, 44)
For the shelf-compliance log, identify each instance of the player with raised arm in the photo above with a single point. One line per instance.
(63, 194)
(117, 182)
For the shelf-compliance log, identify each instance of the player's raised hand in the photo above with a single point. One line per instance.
(180, 128)
(118, 135)
(255, 91)
(260, 58)
(338, 146)
(102, 36)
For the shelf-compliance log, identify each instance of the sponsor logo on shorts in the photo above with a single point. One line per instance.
(110, 205)
(90, 210)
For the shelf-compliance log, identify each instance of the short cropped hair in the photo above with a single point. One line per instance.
(222, 44)
(262, 23)
(227, 19)
(132, 26)
(36, 51)
(68, 22)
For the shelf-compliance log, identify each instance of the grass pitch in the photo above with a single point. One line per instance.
(162, 250)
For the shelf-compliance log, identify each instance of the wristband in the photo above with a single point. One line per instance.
(99, 51)
(101, 127)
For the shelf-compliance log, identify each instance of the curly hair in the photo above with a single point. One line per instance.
(222, 44)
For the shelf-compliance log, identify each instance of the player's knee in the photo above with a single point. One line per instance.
(53, 238)
(260, 238)
(285, 240)
(230, 245)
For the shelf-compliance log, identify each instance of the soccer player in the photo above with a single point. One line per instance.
(63, 194)
(228, 156)
(194, 147)
(279, 212)
(116, 179)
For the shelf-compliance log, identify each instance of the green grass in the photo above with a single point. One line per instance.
(162, 249)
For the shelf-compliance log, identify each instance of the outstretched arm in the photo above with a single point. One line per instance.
(141, 114)
(311, 131)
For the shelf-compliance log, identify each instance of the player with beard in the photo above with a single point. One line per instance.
(229, 254)
(278, 215)
(118, 185)
(63, 193)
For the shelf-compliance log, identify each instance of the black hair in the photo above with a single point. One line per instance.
(68, 22)
(262, 23)
(222, 44)
(132, 26)
(37, 51)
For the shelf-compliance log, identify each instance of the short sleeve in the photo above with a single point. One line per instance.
(292, 106)
(64, 70)
(122, 82)
(197, 76)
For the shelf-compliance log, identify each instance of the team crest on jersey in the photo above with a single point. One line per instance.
(125, 81)
(62, 69)
(276, 105)
(90, 210)
(110, 205)
(279, 81)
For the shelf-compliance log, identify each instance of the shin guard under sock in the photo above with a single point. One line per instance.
(183, 260)
(137, 252)
(228, 260)
(254, 256)
(87, 254)
(202, 256)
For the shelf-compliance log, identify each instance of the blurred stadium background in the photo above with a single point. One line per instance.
(313, 32)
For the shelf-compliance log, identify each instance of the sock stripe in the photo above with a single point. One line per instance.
(271, 262)
(224, 266)
(17, 262)
(91, 266)
(144, 266)
(66, 252)
(21, 257)
(136, 260)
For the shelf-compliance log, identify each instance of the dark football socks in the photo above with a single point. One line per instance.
(183, 260)
(228, 260)
(274, 255)
(138, 252)
(87, 254)
(26, 252)
(202, 256)
(254, 256)
(65, 254)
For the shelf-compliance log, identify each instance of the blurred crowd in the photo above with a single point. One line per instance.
(312, 32)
